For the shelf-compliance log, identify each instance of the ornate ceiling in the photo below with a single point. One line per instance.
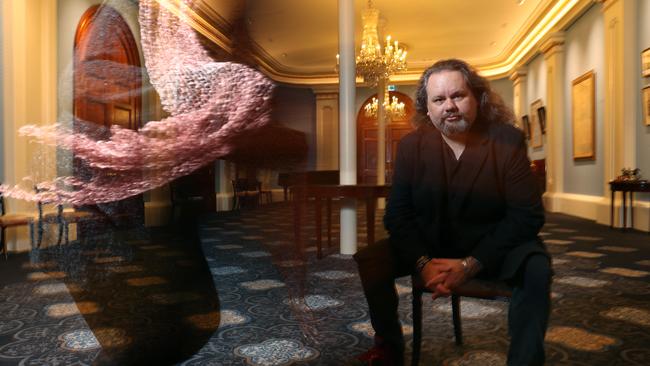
(295, 41)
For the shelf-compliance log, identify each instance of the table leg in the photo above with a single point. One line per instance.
(371, 203)
(632, 210)
(297, 214)
(329, 222)
(611, 211)
(624, 212)
(319, 229)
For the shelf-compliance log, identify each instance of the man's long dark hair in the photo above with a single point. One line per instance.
(491, 108)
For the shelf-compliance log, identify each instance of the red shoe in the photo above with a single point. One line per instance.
(378, 355)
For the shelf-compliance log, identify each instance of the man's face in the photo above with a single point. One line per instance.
(451, 106)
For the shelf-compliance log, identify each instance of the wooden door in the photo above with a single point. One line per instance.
(367, 139)
(107, 91)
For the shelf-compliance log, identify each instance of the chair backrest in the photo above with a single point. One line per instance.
(2, 203)
(40, 204)
(245, 184)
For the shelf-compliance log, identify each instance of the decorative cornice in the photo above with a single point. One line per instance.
(552, 44)
(324, 94)
(607, 4)
(518, 75)
(204, 20)
(557, 14)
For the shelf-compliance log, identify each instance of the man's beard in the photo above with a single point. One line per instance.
(451, 129)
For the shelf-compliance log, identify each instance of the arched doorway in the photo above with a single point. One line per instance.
(367, 139)
(107, 91)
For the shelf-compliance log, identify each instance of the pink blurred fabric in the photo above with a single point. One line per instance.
(211, 104)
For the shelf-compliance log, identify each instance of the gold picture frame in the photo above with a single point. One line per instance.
(645, 62)
(583, 116)
(536, 135)
(645, 98)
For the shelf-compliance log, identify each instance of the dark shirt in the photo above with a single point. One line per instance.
(448, 246)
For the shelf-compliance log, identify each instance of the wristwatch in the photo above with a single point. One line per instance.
(471, 266)
(421, 262)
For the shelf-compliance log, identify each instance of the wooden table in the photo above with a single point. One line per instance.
(625, 187)
(367, 192)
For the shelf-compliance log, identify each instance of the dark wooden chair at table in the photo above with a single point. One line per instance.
(245, 192)
(264, 194)
(476, 288)
(13, 220)
(61, 217)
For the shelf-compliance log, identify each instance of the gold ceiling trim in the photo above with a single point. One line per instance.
(556, 15)
(200, 22)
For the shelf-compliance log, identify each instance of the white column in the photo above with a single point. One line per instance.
(553, 49)
(518, 78)
(620, 115)
(224, 189)
(348, 138)
(381, 138)
(327, 130)
(29, 80)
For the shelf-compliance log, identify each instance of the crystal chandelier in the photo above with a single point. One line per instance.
(372, 63)
(394, 109)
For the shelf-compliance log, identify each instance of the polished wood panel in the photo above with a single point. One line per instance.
(367, 139)
(107, 92)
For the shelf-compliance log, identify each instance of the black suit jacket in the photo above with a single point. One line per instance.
(493, 212)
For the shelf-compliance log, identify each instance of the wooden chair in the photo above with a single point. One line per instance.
(12, 220)
(266, 194)
(245, 191)
(477, 288)
(62, 217)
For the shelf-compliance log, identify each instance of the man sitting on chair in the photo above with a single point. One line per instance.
(463, 203)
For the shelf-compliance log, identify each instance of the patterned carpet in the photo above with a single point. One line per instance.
(248, 298)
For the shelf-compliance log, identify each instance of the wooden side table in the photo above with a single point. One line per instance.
(367, 192)
(625, 187)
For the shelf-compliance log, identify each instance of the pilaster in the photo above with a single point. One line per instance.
(327, 130)
(29, 82)
(519, 79)
(620, 79)
(553, 49)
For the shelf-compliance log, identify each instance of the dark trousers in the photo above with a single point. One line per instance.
(527, 316)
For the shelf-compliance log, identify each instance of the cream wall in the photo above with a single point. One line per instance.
(594, 43)
(584, 50)
(296, 108)
(504, 88)
(2, 173)
(29, 90)
(643, 131)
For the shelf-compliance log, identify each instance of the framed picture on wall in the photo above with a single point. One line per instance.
(525, 125)
(583, 116)
(645, 62)
(541, 114)
(536, 138)
(645, 97)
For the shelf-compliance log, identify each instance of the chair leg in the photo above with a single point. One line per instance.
(67, 233)
(417, 326)
(40, 234)
(31, 234)
(455, 312)
(60, 238)
(4, 242)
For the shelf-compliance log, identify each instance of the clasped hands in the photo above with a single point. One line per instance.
(441, 275)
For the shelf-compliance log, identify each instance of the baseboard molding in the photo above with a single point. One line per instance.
(598, 208)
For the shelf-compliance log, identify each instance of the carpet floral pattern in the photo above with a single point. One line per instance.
(280, 306)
